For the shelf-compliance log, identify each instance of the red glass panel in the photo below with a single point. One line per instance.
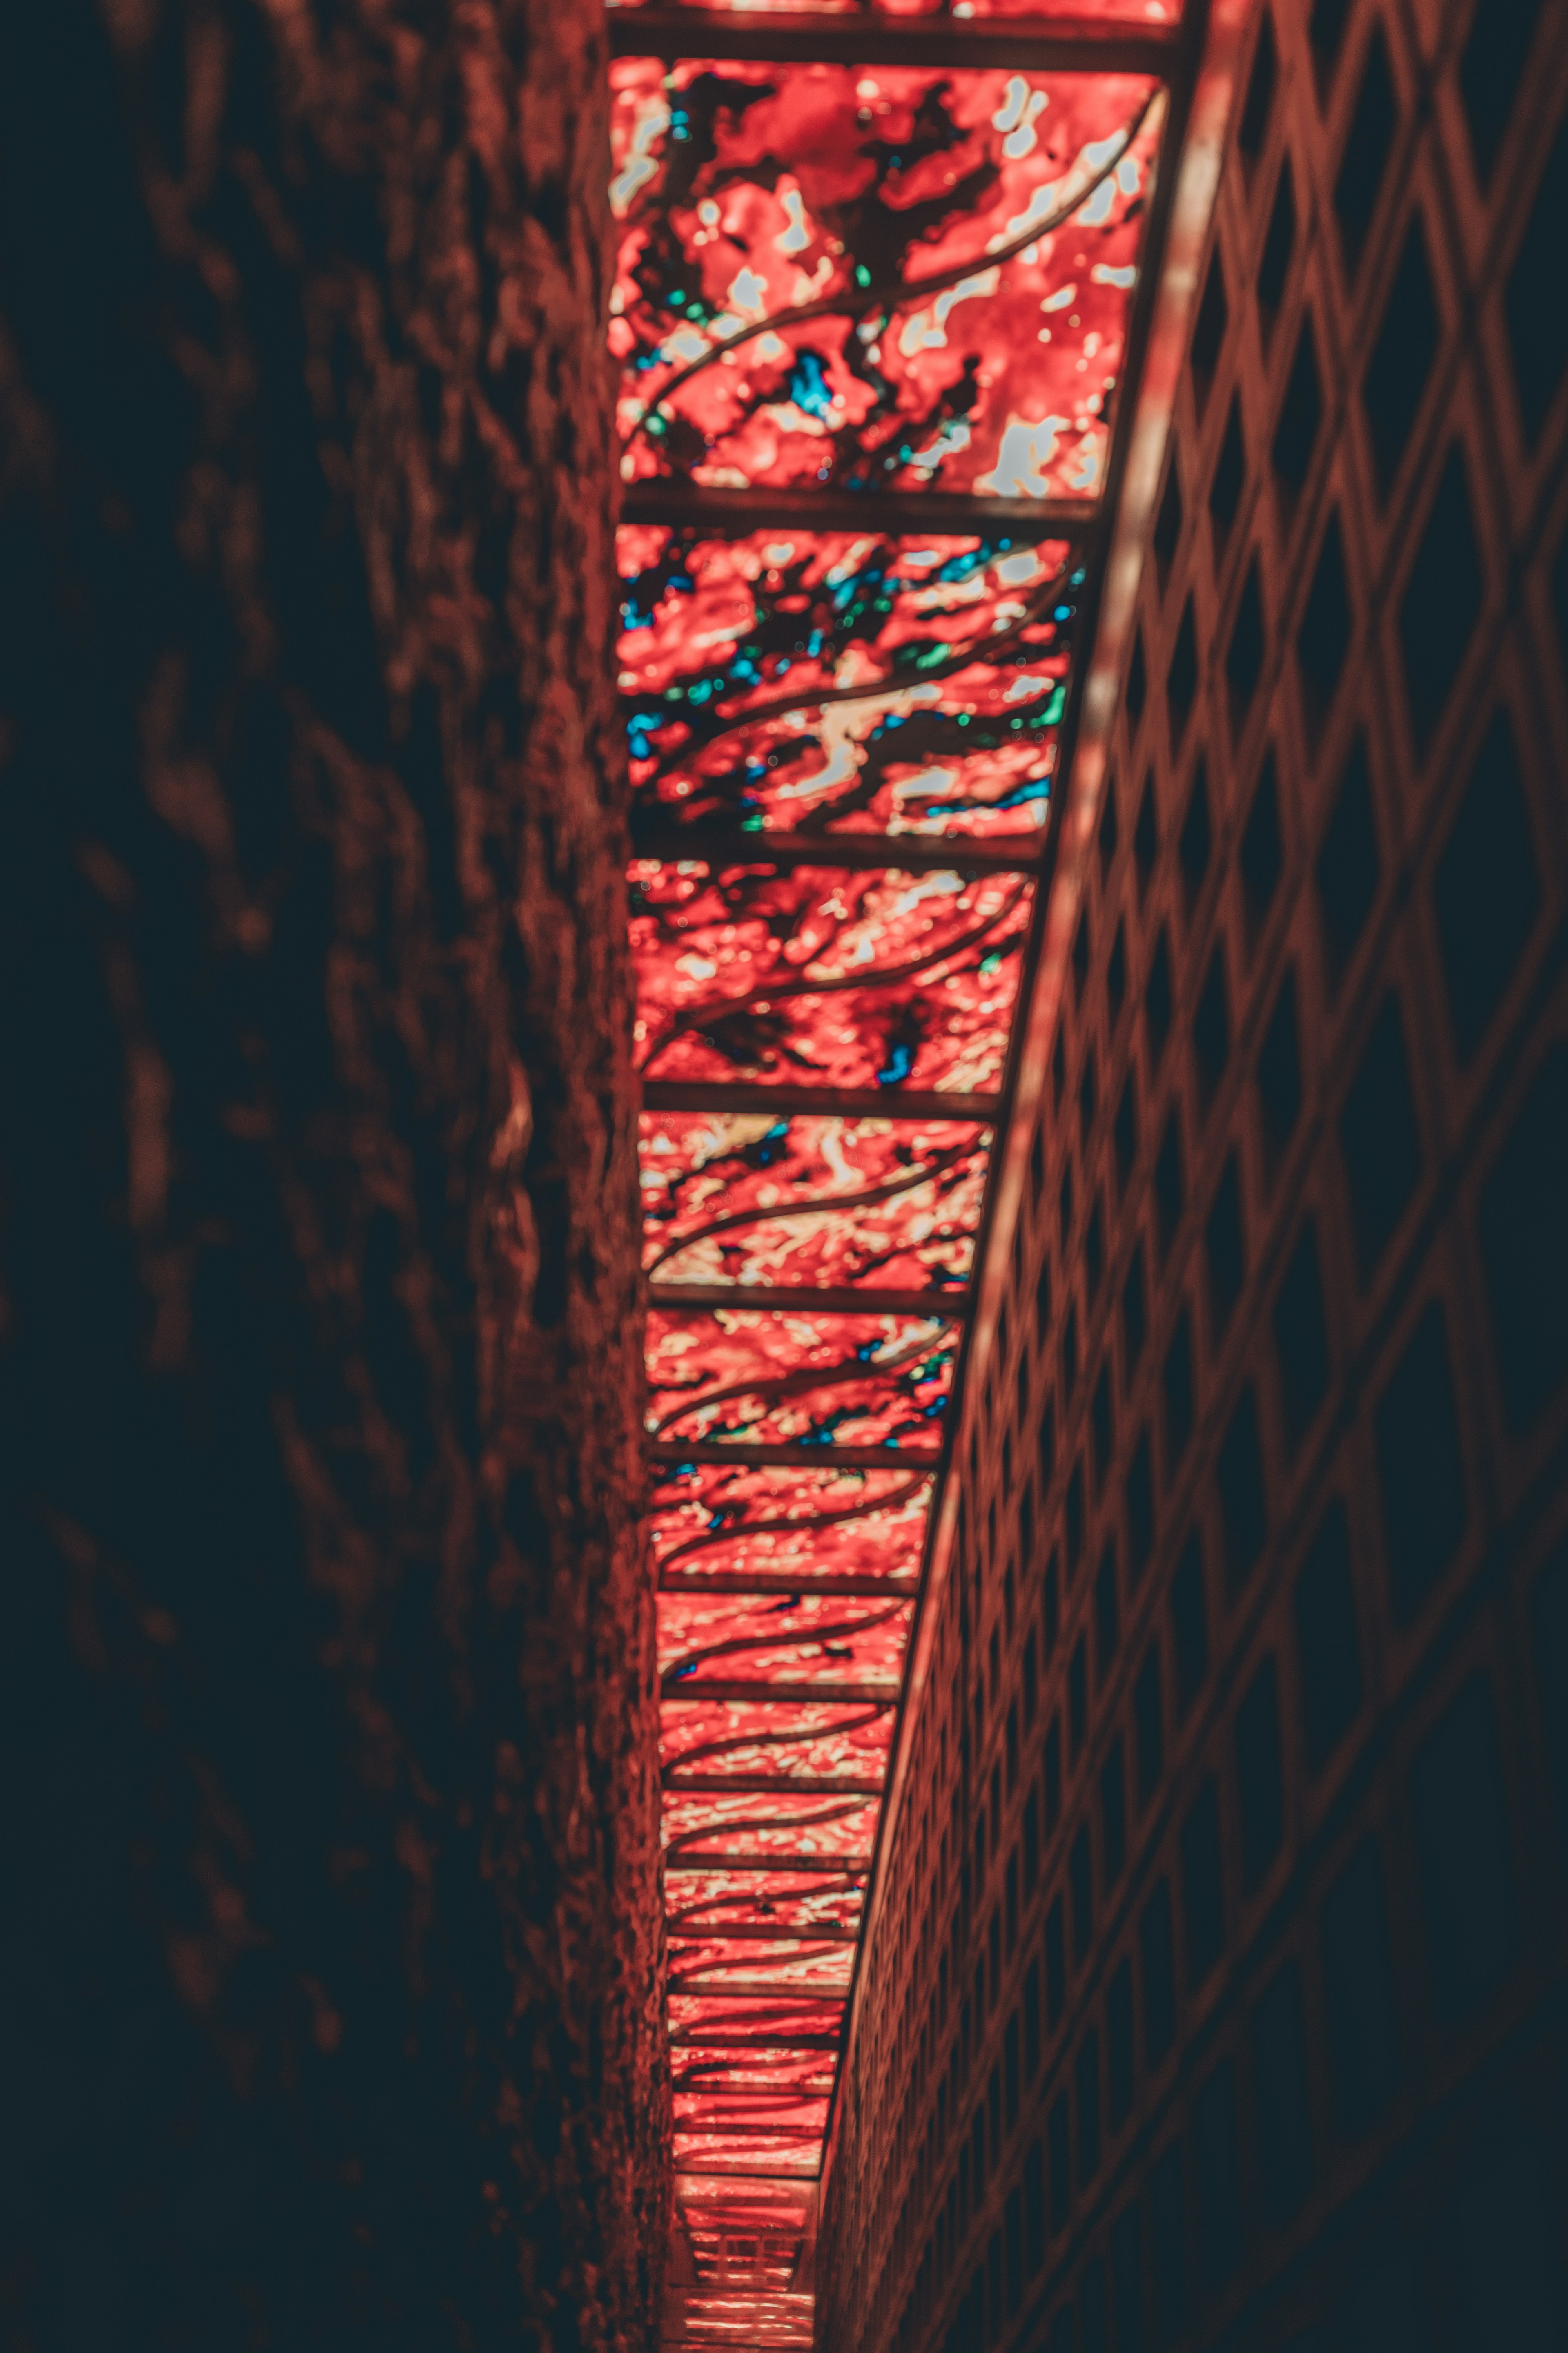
(715, 2152)
(785, 1740)
(878, 278)
(811, 974)
(717, 1961)
(795, 677)
(708, 1900)
(768, 1822)
(754, 1376)
(731, 1197)
(701, 2067)
(811, 1638)
(762, 2022)
(719, 1519)
(781, 2115)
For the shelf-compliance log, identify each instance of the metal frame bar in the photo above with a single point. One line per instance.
(734, 513)
(825, 1864)
(903, 1588)
(668, 840)
(693, 2038)
(941, 1306)
(825, 1102)
(786, 1457)
(1051, 45)
(770, 1785)
(755, 1933)
(787, 1694)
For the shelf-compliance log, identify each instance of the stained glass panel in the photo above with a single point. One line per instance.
(703, 2067)
(801, 974)
(878, 279)
(827, 1203)
(845, 1743)
(749, 1523)
(793, 679)
(778, 1823)
(734, 1639)
(763, 2024)
(744, 1376)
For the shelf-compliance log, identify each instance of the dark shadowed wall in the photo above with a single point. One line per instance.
(329, 1993)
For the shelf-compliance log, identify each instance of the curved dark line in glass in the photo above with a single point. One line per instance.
(723, 1008)
(772, 1642)
(766, 1739)
(706, 731)
(827, 1206)
(776, 1386)
(896, 294)
(894, 1497)
(834, 1813)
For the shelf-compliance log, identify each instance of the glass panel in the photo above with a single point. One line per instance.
(768, 1822)
(785, 1899)
(814, 976)
(775, 2115)
(783, 2320)
(814, 1637)
(880, 278)
(701, 2067)
(796, 679)
(752, 1377)
(719, 1520)
(716, 2152)
(739, 1198)
(785, 1740)
(707, 2014)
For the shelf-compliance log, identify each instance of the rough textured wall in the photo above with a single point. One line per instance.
(329, 2003)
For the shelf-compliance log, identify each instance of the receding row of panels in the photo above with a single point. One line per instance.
(864, 285)
(771, 1798)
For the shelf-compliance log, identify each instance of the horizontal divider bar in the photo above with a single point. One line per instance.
(909, 853)
(748, 2173)
(770, 1785)
(843, 1867)
(691, 1580)
(952, 1306)
(763, 2040)
(754, 2344)
(842, 1102)
(793, 1694)
(755, 1932)
(665, 498)
(759, 1988)
(801, 1998)
(805, 1458)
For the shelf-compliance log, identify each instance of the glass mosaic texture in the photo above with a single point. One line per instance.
(872, 324)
